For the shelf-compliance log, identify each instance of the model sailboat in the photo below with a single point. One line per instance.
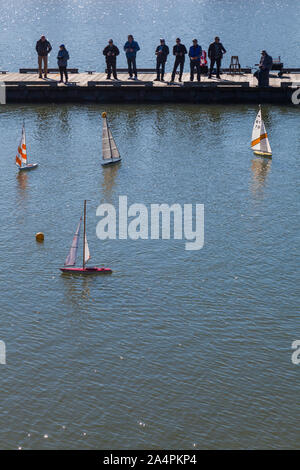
(69, 266)
(260, 142)
(21, 157)
(110, 152)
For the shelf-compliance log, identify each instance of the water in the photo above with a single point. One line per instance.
(176, 349)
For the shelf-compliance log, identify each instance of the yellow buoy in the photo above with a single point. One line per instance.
(104, 114)
(39, 237)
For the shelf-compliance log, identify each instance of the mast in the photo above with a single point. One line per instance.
(84, 233)
(111, 154)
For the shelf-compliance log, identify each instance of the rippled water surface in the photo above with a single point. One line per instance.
(176, 348)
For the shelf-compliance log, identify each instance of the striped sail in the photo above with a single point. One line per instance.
(86, 251)
(71, 258)
(21, 157)
(109, 148)
(260, 141)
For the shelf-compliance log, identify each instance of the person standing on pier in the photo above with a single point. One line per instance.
(215, 53)
(195, 53)
(62, 62)
(111, 51)
(265, 65)
(131, 47)
(162, 52)
(43, 47)
(179, 51)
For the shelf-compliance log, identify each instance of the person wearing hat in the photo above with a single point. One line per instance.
(43, 47)
(62, 62)
(179, 51)
(110, 52)
(161, 52)
(215, 53)
(195, 53)
(265, 65)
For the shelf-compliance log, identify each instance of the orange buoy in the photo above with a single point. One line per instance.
(104, 114)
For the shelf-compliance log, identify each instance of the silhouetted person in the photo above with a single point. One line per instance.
(265, 65)
(162, 52)
(62, 62)
(131, 47)
(179, 51)
(43, 47)
(195, 53)
(111, 51)
(215, 53)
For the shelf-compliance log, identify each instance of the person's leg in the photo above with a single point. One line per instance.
(260, 78)
(163, 69)
(191, 70)
(108, 69)
(114, 69)
(266, 78)
(45, 65)
(218, 62)
(181, 69)
(198, 71)
(40, 65)
(157, 69)
(134, 66)
(61, 73)
(174, 69)
(66, 74)
(212, 63)
(129, 66)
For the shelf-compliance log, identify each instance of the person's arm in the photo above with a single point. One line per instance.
(156, 50)
(167, 51)
(126, 46)
(37, 47)
(68, 57)
(117, 52)
(184, 50)
(200, 52)
(137, 47)
(223, 49)
(105, 50)
(49, 47)
(209, 51)
(174, 50)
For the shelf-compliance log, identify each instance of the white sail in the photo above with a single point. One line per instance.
(71, 258)
(86, 251)
(260, 141)
(21, 157)
(109, 148)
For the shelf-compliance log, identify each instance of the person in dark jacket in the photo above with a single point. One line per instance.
(215, 53)
(265, 65)
(62, 62)
(111, 51)
(195, 53)
(131, 47)
(179, 51)
(43, 47)
(161, 52)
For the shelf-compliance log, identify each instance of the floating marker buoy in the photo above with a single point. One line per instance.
(39, 237)
(104, 114)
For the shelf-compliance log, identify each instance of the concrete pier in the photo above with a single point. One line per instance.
(93, 87)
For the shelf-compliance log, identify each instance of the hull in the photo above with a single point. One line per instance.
(30, 166)
(263, 154)
(85, 271)
(111, 161)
